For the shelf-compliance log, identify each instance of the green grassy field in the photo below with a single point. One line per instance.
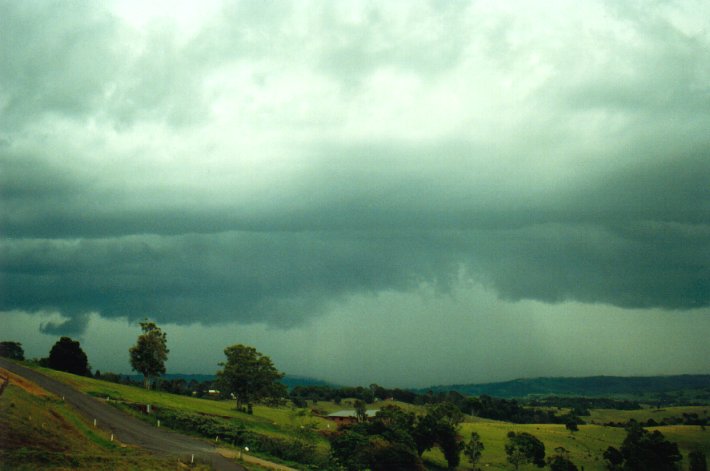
(38, 431)
(601, 416)
(585, 446)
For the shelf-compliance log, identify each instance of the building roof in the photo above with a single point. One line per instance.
(352, 413)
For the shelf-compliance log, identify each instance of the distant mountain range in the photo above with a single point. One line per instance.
(587, 386)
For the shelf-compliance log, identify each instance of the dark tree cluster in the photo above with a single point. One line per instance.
(643, 451)
(560, 461)
(523, 448)
(12, 350)
(189, 388)
(510, 410)
(691, 418)
(67, 355)
(300, 394)
(395, 439)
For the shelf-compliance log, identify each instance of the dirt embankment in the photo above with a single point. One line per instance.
(21, 382)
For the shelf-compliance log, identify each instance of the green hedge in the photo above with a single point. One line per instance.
(234, 432)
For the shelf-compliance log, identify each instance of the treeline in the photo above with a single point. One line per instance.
(582, 405)
(685, 419)
(510, 410)
(485, 406)
(179, 386)
(299, 395)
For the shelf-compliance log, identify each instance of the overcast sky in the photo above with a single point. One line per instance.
(406, 193)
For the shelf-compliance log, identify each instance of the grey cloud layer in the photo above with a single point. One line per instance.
(277, 160)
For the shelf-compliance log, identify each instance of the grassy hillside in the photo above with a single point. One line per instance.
(39, 431)
(585, 446)
(266, 420)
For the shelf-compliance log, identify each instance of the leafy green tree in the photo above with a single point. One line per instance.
(648, 451)
(572, 426)
(384, 443)
(523, 448)
(446, 412)
(350, 450)
(450, 444)
(67, 355)
(424, 433)
(12, 350)
(395, 425)
(438, 427)
(150, 352)
(249, 375)
(474, 449)
(698, 462)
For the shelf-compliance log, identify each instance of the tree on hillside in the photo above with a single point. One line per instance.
(648, 451)
(150, 352)
(67, 355)
(249, 375)
(12, 350)
(523, 448)
(473, 449)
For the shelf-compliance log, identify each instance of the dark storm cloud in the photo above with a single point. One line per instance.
(275, 161)
(279, 278)
(638, 238)
(75, 325)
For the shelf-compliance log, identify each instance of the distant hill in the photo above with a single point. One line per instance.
(187, 377)
(587, 386)
(291, 381)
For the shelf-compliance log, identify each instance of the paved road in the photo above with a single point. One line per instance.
(125, 428)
